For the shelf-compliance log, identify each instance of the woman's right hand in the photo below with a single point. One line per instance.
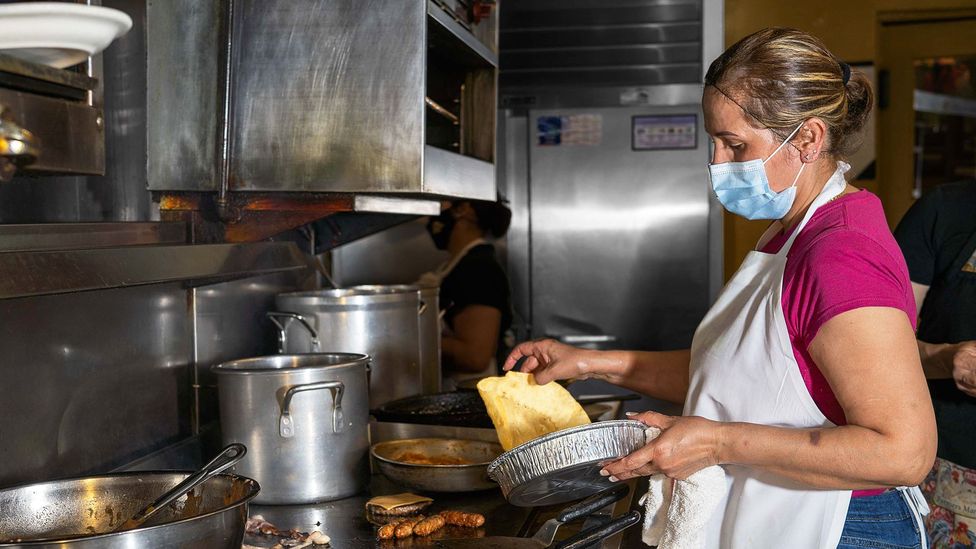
(549, 360)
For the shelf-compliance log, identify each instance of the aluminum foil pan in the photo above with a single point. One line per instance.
(564, 466)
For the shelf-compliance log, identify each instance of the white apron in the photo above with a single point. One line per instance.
(743, 369)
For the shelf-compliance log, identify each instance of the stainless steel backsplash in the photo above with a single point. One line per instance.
(95, 380)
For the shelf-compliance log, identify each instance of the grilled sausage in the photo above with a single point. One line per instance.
(460, 518)
(429, 525)
(387, 530)
(407, 528)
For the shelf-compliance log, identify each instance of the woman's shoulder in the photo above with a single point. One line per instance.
(854, 217)
(852, 230)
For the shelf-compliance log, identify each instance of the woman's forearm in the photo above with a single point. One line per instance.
(845, 457)
(936, 359)
(658, 374)
(461, 356)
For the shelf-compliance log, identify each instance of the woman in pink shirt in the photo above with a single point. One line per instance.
(803, 381)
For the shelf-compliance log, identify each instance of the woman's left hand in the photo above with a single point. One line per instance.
(685, 446)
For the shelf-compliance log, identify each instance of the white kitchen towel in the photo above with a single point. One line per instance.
(676, 511)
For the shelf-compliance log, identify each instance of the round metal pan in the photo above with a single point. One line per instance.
(565, 465)
(437, 478)
(64, 513)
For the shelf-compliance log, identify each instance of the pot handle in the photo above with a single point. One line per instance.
(422, 309)
(273, 316)
(286, 426)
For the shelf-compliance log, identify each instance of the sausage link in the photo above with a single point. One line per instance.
(429, 525)
(407, 528)
(386, 531)
(460, 518)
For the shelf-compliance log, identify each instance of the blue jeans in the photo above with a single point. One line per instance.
(884, 521)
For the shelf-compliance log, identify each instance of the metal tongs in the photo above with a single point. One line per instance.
(227, 457)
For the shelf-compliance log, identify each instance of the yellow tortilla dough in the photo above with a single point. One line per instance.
(522, 410)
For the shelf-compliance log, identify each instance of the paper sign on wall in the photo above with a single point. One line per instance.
(577, 130)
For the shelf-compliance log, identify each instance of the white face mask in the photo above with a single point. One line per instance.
(743, 188)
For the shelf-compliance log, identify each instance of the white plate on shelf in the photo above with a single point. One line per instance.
(58, 34)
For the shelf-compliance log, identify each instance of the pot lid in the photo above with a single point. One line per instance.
(284, 363)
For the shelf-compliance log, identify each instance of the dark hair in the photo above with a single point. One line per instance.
(493, 217)
(782, 77)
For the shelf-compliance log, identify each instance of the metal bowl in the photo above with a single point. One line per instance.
(437, 478)
(564, 466)
(65, 513)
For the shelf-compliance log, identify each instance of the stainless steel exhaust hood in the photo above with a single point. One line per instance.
(321, 96)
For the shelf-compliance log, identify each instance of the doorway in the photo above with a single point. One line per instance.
(927, 100)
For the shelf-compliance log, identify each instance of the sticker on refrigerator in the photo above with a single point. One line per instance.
(577, 130)
(550, 130)
(664, 132)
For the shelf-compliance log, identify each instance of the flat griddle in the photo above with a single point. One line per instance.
(457, 409)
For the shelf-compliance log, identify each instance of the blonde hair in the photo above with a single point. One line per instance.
(781, 77)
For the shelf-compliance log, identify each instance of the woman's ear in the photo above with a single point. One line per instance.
(463, 210)
(811, 139)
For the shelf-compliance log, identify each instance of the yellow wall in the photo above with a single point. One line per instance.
(849, 28)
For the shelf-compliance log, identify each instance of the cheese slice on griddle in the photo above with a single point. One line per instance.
(522, 410)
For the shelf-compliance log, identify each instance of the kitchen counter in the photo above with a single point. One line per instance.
(343, 520)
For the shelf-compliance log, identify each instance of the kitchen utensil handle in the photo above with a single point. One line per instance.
(600, 533)
(286, 425)
(594, 503)
(282, 338)
(594, 399)
(231, 454)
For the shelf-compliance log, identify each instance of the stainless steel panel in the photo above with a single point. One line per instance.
(713, 44)
(230, 323)
(602, 56)
(619, 237)
(183, 41)
(65, 236)
(329, 96)
(92, 380)
(513, 170)
(452, 174)
(630, 75)
(386, 204)
(522, 39)
(398, 255)
(550, 44)
(518, 99)
(70, 133)
(50, 272)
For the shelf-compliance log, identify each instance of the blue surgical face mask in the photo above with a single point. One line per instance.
(742, 187)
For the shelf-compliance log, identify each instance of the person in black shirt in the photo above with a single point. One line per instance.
(938, 238)
(474, 290)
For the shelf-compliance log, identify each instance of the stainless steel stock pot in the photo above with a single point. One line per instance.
(304, 419)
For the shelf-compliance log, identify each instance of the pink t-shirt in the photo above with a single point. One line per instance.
(845, 258)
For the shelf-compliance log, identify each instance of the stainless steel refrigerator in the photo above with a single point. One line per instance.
(611, 241)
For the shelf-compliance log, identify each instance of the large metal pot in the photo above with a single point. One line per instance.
(383, 322)
(429, 331)
(304, 419)
(63, 513)
(430, 340)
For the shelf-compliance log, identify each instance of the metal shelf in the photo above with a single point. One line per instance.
(68, 236)
(444, 22)
(45, 272)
